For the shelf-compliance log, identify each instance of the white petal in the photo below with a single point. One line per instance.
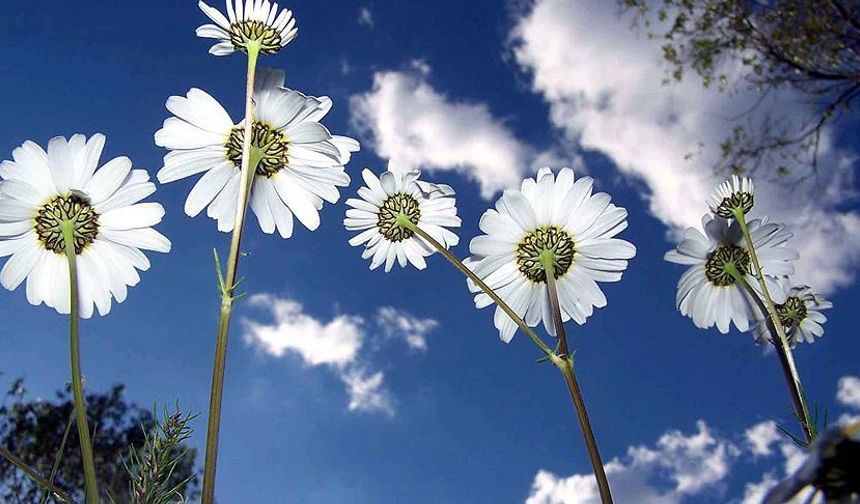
(25, 192)
(208, 187)
(31, 165)
(180, 164)
(200, 109)
(19, 266)
(146, 239)
(179, 134)
(307, 133)
(62, 163)
(126, 195)
(260, 205)
(15, 210)
(108, 179)
(299, 202)
(132, 217)
(214, 15)
(222, 49)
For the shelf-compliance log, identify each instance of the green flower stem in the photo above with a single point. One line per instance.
(564, 362)
(34, 475)
(92, 489)
(404, 221)
(59, 457)
(228, 286)
(779, 340)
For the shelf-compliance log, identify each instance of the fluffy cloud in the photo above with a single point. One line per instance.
(680, 467)
(603, 83)
(366, 392)
(337, 344)
(793, 457)
(404, 118)
(693, 463)
(399, 324)
(760, 437)
(849, 392)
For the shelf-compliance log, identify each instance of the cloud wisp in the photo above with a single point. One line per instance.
(365, 17)
(339, 344)
(399, 324)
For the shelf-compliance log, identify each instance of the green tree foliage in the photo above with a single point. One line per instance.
(809, 46)
(124, 435)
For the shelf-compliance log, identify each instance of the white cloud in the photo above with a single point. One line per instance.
(365, 17)
(366, 392)
(792, 457)
(849, 392)
(404, 118)
(761, 436)
(399, 324)
(339, 344)
(603, 83)
(336, 342)
(693, 463)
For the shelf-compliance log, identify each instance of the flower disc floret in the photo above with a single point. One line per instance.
(247, 32)
(732, 196)
(74, 208)
(717, 267)
(792, 312)
(271, 146)
(545, 239)
(393, 207)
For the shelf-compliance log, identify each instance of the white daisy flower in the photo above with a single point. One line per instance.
(247, 21)
(40, 190)
(731, 195)
(301, 163)
(554, 214)
(800, 315)
(707, 292)
(431, 207)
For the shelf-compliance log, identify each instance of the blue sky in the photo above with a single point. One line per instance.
(478, 94)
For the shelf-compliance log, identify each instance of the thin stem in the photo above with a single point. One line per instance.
(34, 475)
(546, 258)
(228, 287)
(59, 456)
(564, 362)
(405, 222)
(92, 489)
(779, 339)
